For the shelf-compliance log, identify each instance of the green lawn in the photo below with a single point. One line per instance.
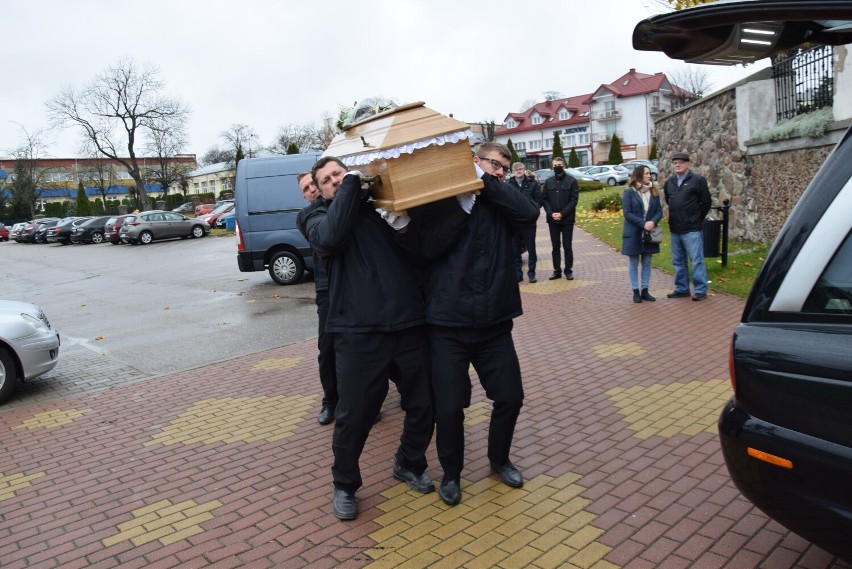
(744, 258)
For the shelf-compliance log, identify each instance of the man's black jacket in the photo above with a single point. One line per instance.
(688, 204)
(471, 280)
(372, 285)
(560, 196)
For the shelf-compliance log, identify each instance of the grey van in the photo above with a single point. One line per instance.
(267, 202)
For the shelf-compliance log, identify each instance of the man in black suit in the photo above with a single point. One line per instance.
(559, 197)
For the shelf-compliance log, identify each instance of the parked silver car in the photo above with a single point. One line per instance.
(609, 175)
(29, 346)
(150, 225)
(631, 165)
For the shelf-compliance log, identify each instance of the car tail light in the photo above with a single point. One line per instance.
(133, 223)
(240, 245)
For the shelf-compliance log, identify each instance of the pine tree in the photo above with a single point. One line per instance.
(240, 154)
(615, 150)
(511, 147)
(84, 206)
(557, 146)
(292, 148)
(573, 159)
(653, 155)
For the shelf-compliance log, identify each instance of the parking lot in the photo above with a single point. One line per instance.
(126, 312)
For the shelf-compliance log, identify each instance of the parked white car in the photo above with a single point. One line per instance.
(29, 346)
(609, 175)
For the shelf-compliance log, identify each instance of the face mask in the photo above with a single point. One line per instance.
(558, 170)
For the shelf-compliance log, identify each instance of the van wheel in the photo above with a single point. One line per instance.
(286, 268)
(8, 374)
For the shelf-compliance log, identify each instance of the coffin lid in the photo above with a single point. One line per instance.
(399, 127)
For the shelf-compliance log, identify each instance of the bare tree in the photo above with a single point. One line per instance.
(99, 173)
(216, 155)
(164, 144)
(116, 110)
(304, 136)
(694, 79)
(527, 105)
(29, 177)
(241, 136)
(326, 132)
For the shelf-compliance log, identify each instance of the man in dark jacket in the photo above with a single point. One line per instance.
(472, 297)
(376, 314)
(689, 203)
(325, 341)
(559, 197)
(530, 188)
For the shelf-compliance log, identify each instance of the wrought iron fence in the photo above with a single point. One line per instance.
(804, 81)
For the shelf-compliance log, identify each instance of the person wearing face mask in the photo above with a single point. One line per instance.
(559, 197)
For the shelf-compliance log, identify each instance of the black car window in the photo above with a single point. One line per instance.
(832, 293)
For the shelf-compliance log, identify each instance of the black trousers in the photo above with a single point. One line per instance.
(563, 232)
(325, 358)
(527, 238)
(492, 353)
(364, 363)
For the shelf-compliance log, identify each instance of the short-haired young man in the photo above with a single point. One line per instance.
(559, 196)
(376, 314)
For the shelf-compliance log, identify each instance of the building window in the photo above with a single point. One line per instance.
(521, 146)
(569, 140)
(511, 123)
(536, 119)
(204, 187)
(563, 115)
(584, 138)
(212, 185)
(548, 143)
(196, 188)
(535, 145)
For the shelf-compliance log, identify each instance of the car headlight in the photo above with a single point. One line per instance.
(39, 325)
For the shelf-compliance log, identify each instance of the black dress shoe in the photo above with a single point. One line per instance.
(510, 475)
(343, 504)
(555, 275)
(417, 482)
(699, 297)
(450, 492)
(533, 279)
(326, 416)
(677, 294)
(569, 276)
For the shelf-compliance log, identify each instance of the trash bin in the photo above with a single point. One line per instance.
(231, 223)
(712, 230)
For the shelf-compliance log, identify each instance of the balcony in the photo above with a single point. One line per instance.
(607, 136)
(607, 115)
(658, 110)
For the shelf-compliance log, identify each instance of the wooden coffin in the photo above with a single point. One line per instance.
(400, 147)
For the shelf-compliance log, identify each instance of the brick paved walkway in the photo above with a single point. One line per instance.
(226, 465)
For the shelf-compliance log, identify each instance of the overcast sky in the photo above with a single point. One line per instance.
(269, 63)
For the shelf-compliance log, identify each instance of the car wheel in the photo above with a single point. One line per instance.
(286, 268)
(8, 374)
(610, 182)
(145, 237)
(197, 231)
(97, 237)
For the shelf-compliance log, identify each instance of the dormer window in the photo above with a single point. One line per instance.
(511, 123)
(537, 119)
(564, 115)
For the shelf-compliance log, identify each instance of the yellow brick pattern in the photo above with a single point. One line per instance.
(544, 286)
(669, 410)
(540, 525)
(273, 364)
(11, 483)
(165, 522)
(618, 350)
(477, 413)
(236, 420)
(52, 419)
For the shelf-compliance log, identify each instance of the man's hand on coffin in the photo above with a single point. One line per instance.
(396, 219)
(466, 201)
(365, 186)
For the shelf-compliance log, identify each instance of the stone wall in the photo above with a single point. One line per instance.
(763, 181)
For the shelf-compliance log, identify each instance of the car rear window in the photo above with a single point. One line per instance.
(832, 293)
